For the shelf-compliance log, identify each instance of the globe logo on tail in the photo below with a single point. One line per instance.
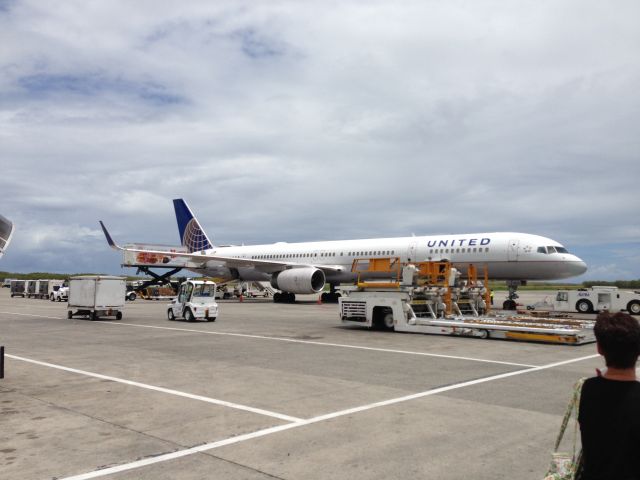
(194, 238)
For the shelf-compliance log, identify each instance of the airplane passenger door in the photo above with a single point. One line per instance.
(512, 251)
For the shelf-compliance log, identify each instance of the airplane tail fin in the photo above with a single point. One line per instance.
(192, 235)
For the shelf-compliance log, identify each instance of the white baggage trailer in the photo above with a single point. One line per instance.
(18, 288)
(96, 295)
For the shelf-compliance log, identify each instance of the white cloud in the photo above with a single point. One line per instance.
(298, 121)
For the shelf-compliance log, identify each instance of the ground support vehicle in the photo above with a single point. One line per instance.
(18, 288)
(223, 293)
(157, 292)
(252, 290)
(6, 283)
(131, 294)
(597, 299)
(196, 300)
(60, 294)
(54, 286)
(413, 306)
(95, 296)
(590, 300)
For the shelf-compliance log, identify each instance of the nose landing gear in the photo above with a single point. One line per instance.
(510, 302)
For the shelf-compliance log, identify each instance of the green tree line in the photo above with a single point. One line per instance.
(49, 276)
(629, 284)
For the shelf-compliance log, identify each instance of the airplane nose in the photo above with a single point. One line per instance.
(578, 267)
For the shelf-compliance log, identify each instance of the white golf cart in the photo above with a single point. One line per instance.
(195, 301)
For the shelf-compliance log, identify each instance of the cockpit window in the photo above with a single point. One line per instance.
(552, 249)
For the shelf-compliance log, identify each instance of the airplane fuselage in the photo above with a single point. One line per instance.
(508, 256)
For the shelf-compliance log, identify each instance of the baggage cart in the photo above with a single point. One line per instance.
(96, 296)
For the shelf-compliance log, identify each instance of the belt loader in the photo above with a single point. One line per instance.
(431, 298)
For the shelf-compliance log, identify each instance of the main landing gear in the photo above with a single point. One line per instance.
(284, 297)
(510, 302)
(331, 296)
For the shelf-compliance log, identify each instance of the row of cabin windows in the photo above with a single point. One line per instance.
(307, 255)
(459, 250)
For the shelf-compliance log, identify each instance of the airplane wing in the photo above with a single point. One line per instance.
(233, 262)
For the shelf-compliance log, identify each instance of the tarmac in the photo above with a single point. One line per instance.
(272, 391)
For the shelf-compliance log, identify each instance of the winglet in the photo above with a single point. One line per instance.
(110, 241)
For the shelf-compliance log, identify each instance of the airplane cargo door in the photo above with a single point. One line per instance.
(512, 252)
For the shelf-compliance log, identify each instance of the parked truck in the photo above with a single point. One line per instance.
(597, 299)
(96, 296)
(196, 300)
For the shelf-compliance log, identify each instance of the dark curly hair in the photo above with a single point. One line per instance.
(618, 336)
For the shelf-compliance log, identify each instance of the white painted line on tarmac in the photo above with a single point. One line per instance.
(183, 453)
(324, 344)
(445, 389)
(321, 418)
(293, 340)
(34, 315)
(169, 391)
(307, 342)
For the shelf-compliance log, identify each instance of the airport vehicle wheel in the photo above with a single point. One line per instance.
(119, 316)
(483, 334)
(188, 316)
(93, 315)
(633, 307)
(584, 306)
(277, 297)
(69, 314)
(170, 315)
(11, 296)
(211, 319)
(387, 321)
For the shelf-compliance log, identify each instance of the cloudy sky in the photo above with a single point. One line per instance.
(309, 120)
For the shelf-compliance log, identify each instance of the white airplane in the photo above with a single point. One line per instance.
(6, 232)
(306, 267)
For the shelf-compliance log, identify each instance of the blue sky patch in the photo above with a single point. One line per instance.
(45, 84)
(256, 46)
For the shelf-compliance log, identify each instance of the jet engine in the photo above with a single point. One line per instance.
(299, 280)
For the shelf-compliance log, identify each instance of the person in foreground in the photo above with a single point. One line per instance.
(609, 414)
